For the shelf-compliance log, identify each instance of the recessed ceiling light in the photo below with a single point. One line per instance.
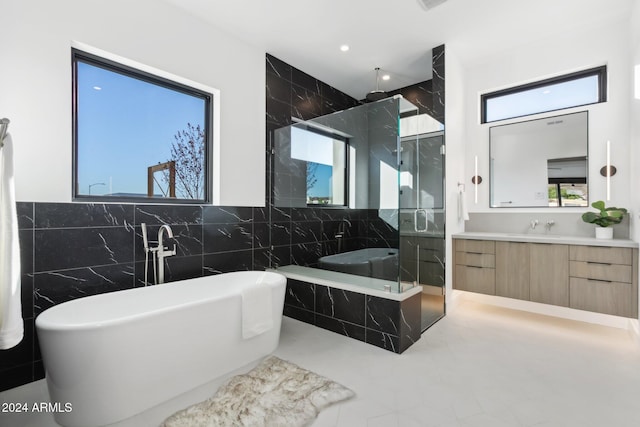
(546, 92)
(97, 88)
(386, 77)
(344, 47)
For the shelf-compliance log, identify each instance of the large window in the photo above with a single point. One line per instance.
(137, 135)
(570, 90)
(326, 162)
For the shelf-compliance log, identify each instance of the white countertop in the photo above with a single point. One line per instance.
(546, 238)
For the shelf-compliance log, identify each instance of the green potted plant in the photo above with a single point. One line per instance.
(604, 219)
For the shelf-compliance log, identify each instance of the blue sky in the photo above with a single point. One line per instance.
(322, 187)
(126, 125)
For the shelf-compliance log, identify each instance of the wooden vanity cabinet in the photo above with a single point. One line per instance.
(601, 279)
(512, 270)
(549, 274)
(474, 266)
(604, 280)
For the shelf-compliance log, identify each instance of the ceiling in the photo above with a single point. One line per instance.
(395, 35)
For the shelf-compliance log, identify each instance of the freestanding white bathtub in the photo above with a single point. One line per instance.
(111, 356)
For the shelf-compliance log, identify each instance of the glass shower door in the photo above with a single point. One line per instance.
(422, 238)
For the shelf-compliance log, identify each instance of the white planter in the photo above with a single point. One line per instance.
(604, 232)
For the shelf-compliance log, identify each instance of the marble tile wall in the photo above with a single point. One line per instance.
(71, 250)
(388, 324)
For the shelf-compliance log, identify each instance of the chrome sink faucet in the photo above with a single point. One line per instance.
(162, 252)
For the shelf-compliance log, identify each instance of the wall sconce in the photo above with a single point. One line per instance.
(608, 170)
(475, 179)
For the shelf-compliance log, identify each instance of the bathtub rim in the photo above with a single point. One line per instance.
(45, 322)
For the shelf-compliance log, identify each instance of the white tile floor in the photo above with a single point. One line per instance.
(479, 366)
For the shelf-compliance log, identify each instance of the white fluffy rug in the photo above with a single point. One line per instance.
(274, 393)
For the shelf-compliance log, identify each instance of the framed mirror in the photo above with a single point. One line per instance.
(540, 163)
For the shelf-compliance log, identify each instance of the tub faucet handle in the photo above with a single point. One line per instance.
(534, 223)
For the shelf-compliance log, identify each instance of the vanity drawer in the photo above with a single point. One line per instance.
(602, 297)
(475, 260)
(476, 246)
(600, 271)
(610, 255)
(475, 279)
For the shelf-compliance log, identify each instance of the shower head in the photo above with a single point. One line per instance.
(376, 95)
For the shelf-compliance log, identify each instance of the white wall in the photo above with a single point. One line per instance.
(635, 126)
(35, 85)
(546, 58)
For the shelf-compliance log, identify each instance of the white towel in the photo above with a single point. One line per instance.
(463, 213)
(11, 327)
(257, 308)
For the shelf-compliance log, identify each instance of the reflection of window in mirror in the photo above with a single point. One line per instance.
(139, 135)
(326, 165)
(568, 182)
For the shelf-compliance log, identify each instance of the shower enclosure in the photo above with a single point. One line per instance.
(361, 191)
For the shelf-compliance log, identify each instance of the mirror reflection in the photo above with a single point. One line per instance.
(551, 163)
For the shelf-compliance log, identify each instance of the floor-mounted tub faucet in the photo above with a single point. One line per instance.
(162, 252)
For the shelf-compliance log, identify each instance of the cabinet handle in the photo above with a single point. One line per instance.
(599, 263)
(600, 280)
(474, 266)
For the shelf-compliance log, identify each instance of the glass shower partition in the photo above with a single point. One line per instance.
(343, 169)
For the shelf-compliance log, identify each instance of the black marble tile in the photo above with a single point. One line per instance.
(59, 249)
(299, 314)
(306, 232)
(226, 262)
(306, 104)
(382, 340)
(227, 237)
(280, 255)
(261, 259)
(280, 233)
(260, 214)
(227, 215)
(15, 376)
(278, 67)
(300, 294)
(56, 287)
(383, 315)
(168, 214)
(340, 304)
(278, 88)
(410, 321)
(25, 212)
(305, 81)
(25, 239)
(67, 215)
(343, 328)
(38, 370)
(261, 235)
(279, 214)
(26, 295)
(21, 353)
(306, 254)
(278, 112)
(182, 268)
(305, 214)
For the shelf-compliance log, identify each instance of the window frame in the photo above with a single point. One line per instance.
(78, 55)
(600, 72)
(328, 134)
